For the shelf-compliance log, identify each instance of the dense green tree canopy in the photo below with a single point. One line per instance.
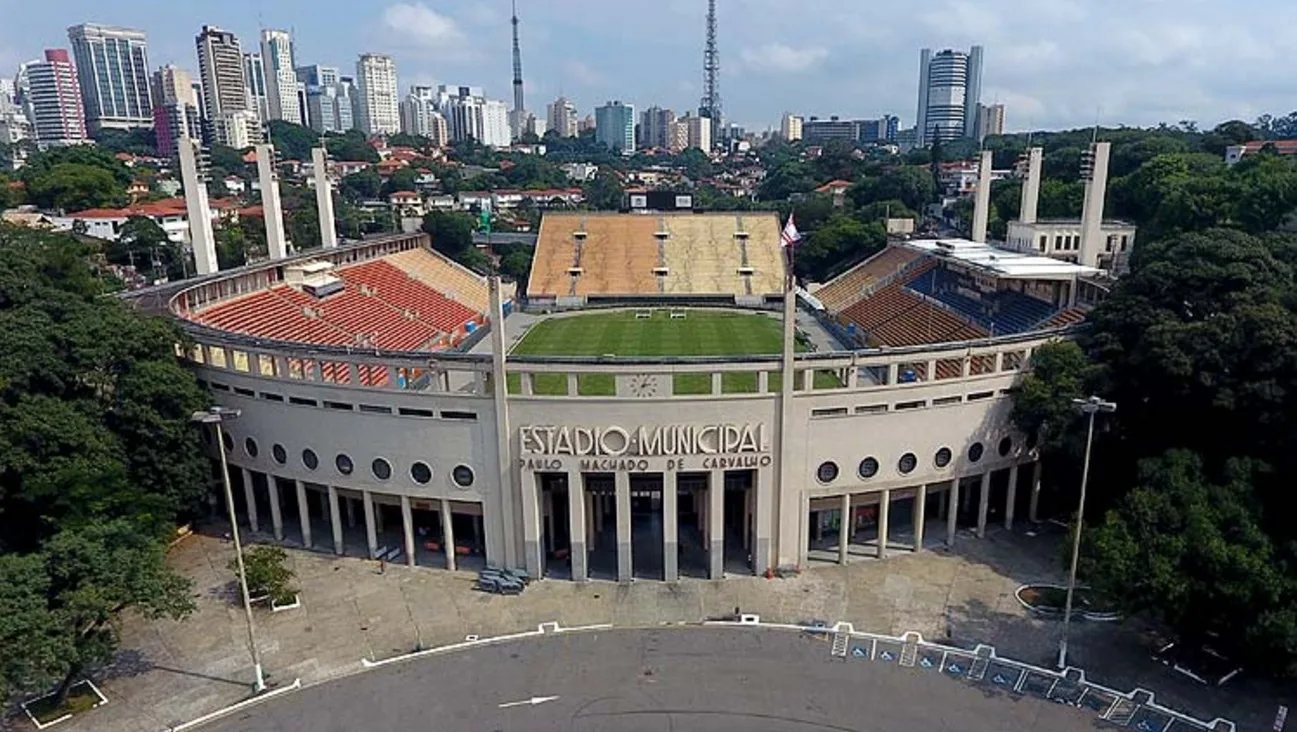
(292, 141)
(351, 146)
(75, 187)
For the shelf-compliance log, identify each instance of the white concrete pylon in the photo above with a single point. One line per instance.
(1096, 190)
(1031, 186)
(324, 199)
(198, 209)
(982, 198)
(272, 209)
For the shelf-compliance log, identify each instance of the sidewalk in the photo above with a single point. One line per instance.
(175, 672)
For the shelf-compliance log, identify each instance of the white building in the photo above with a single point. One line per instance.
(561, 115)
(254, 73)
(377, 96)
(950, 91)
(113, 71)
(419, 116)
(790, 127)
(222, 72)
(239, 130)
(280, 76)
(698, 132)
(471, 116)
(55, 99)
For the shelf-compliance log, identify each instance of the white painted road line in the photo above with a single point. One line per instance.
(532, 701)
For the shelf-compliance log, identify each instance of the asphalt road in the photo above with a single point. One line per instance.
(686, 679)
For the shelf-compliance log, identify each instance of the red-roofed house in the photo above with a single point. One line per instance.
(837, 189)
(406, 203)
(1235, 153)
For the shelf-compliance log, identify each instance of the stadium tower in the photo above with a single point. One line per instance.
(518, 105)
(711, 102)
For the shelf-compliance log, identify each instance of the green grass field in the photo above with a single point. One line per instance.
(620, 333)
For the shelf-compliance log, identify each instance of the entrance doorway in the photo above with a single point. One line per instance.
(646, 526)
(601, 524)
(740, 511)
(556, 531)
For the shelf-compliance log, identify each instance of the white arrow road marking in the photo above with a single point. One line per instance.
(532, 701)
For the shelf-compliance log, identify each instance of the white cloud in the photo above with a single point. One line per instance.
(421, 24)
(781, 58)
(583, 74)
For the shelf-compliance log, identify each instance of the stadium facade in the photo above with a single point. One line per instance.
(383, 416)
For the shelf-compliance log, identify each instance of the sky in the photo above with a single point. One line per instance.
(1054, 63)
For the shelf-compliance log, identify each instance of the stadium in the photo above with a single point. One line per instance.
(656, 407)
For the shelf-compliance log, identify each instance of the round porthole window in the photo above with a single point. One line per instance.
(279, 453)
(827, 472)
(868, 468)
(943, 457)
(227, 441)
(1006, 445)
(907, 463)
(975, 452)
(420, 473)
(462, 475)
(310, 459)
(382, 469)
(250, 445)
(343, 464)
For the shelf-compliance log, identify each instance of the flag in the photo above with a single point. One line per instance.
(790, 238)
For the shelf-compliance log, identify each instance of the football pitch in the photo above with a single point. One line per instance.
(622, 333)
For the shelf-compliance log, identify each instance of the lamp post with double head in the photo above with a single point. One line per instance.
(217, 416)
(1090, 407)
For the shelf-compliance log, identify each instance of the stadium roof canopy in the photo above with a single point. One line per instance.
(1003, 263)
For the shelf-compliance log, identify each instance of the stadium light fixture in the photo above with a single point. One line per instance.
(217, 416)
(1092, 406)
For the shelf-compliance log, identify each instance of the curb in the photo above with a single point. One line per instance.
(253, 701)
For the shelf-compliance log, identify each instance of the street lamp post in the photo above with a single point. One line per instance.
(216, 416)
(1091, 407)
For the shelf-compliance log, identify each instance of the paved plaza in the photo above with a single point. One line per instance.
(171, 672)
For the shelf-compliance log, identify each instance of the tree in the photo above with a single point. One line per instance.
(267, 574)
(61, 604)
(841, 238)
(144, 244)
(451, 231)
(138, 141)
(362, 185)
(292, 141)
(75, 187)
(228, 160)
(42, 163)
(910, 184)
(351, 146)
(605, 192)
(401, 180)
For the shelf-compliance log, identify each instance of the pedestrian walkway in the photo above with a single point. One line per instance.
(174, 672)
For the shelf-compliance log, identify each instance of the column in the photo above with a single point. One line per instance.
(335, 520)
(1035, 493)
(884, 516)
(371, 536)
(716, 524)
(952, 512)
(625, 567)
(920, 517)
(303, 513)
(250, 498)
(844, 535)
(983, 504)
(407, 524)
(276, 517)
(447, 534)
(577, 524)
(531, 518)
(1011, 498)
(670, 531)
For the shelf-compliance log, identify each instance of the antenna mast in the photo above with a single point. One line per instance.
(711, 102)
(517, 64)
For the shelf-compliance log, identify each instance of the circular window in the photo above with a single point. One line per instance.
(943, 457)
(279, 453)
(250, 445)
(1006, 445)
(227, 441)
(868, 468)
(420, 473)
(382, 469)
(343, 464)
(907, 463)
(462, 475)
(827, 472)
(975, 452)
(310, 459)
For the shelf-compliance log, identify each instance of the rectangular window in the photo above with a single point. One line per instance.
(1044, 242)
(220, 387)
(1058, 241)
(469, 416)
(410, 412)
(244, 392)
(375, 410)
(339, 405)
(271, 397)
(980, 395)
(946, 400)
(871, 409)
(299, 401)
(900, 406)
(830, 412)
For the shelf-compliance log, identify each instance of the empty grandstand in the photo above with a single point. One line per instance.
(951, 290)
(583, 256)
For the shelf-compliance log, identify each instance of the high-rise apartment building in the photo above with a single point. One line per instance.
(698, 132)
(254, 72)
(655, 128)
(790, 127)
(280, 76)
(419, 116)
(377, 95)
(471, 116)
(950, 90)
(561, 115)
(175, 109)
(328, 103)
(614, 126)
(317, 75)
(57, 112)
(222, 72)
(113, 73)
(990, 121)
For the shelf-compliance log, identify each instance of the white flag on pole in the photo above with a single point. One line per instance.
(791, 235)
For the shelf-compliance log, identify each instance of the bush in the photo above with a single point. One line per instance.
(267, 573)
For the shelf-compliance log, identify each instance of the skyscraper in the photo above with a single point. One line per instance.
(471, 116)
(222, 72)
(790, 127)
(280, 76)
(990, 121)
(58, 115)
(950, 89)
(113, 73)
(254, 72)
(655, 127)
(614, 126)
(317, 75)
(377, 95)
(562, 117)
(175, 108)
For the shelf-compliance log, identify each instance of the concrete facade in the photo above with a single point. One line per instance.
(545, 483)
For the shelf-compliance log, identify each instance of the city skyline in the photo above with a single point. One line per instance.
(1053, 64)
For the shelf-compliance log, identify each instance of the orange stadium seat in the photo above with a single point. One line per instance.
(846, 289)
